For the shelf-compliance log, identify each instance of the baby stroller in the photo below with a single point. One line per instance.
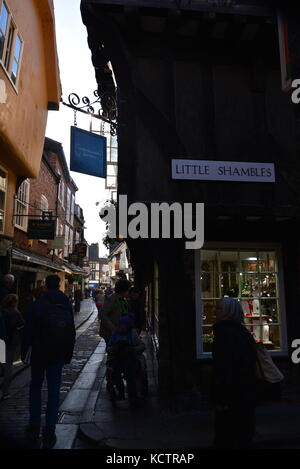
(126, 361)
(115, 377)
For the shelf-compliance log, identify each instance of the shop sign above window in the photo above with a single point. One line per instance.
(235, 171)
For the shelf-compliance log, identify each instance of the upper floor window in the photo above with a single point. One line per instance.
(68, 205)
(44, 208)
(10, 43)
(3, 189)
(21, 206)
(61, 190)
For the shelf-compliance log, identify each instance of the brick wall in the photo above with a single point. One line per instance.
(45, 185)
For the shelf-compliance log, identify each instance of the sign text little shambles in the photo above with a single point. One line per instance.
(223, 171)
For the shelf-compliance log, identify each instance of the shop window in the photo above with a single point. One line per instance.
(11, 44)
(21, 206)
(3, 189)
(252, 277)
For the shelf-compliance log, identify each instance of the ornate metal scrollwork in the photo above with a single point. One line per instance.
(104, 107)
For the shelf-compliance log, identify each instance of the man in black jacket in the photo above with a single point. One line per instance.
(234, 359)
(49, 338)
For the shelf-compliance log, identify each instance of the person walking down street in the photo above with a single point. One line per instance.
(123, 350)
(7, 286)
(14, 324)
(108, 291)
(136, 307)
(49, 338)
(114, 307)
(78, 297)
(99, 300)
(234, 360)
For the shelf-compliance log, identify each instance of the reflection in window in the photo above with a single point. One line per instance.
(251, 276)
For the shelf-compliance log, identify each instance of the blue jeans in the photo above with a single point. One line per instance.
(53, 374)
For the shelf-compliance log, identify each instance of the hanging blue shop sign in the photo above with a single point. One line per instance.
(88, 153)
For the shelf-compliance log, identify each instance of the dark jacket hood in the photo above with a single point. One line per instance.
(55, 296)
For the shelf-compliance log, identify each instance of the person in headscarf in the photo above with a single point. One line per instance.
(234, 389)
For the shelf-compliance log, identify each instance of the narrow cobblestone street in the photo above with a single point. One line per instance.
(14, 411)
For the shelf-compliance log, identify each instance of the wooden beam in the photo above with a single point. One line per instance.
(192, 5)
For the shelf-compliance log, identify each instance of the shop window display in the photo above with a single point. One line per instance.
(251, 276)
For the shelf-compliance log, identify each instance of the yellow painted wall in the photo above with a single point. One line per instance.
(23, 116)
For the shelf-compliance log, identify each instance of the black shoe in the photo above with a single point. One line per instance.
(49, 441)
(32, 431)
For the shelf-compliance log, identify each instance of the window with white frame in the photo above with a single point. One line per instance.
(251, 275)
(72, 209)
(21, 206)
(70, 241)
(11, 43)
(68, 205)
(3, 189)
(61, 190)
(66, 249)
(44, 208)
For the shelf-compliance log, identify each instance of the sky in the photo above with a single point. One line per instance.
(77, 75)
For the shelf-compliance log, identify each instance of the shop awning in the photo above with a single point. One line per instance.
(73, 269)
(30, 258)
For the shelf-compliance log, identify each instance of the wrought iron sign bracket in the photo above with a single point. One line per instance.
(107, 111)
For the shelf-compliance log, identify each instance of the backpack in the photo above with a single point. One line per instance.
(57, 333)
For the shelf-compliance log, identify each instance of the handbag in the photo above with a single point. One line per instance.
(27, 359)
(266, 370)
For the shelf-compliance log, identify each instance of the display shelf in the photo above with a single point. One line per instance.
(253, 316)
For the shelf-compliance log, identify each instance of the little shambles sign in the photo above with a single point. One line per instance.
(223, 171)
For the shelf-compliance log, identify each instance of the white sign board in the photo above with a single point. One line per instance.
(223, 171)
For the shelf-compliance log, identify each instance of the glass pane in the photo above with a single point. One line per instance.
(268, 285)
(111, 181)
(114, 141)
(3, 180)
(229, 284)
(267, 262)
(274, 337)
(2, 39)
(209, 285)
(1, 220)
(207, 339)
(208, 308)
(113, 154)
(209, 261)
(249, 285)
(2, 200)
(14, 68)
(229, 261)
(9, 46)
(248, 261)
(17, 49)
(270, 310)
(112, 170)
(3, 18)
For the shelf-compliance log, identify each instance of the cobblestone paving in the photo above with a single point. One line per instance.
(14, 411)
